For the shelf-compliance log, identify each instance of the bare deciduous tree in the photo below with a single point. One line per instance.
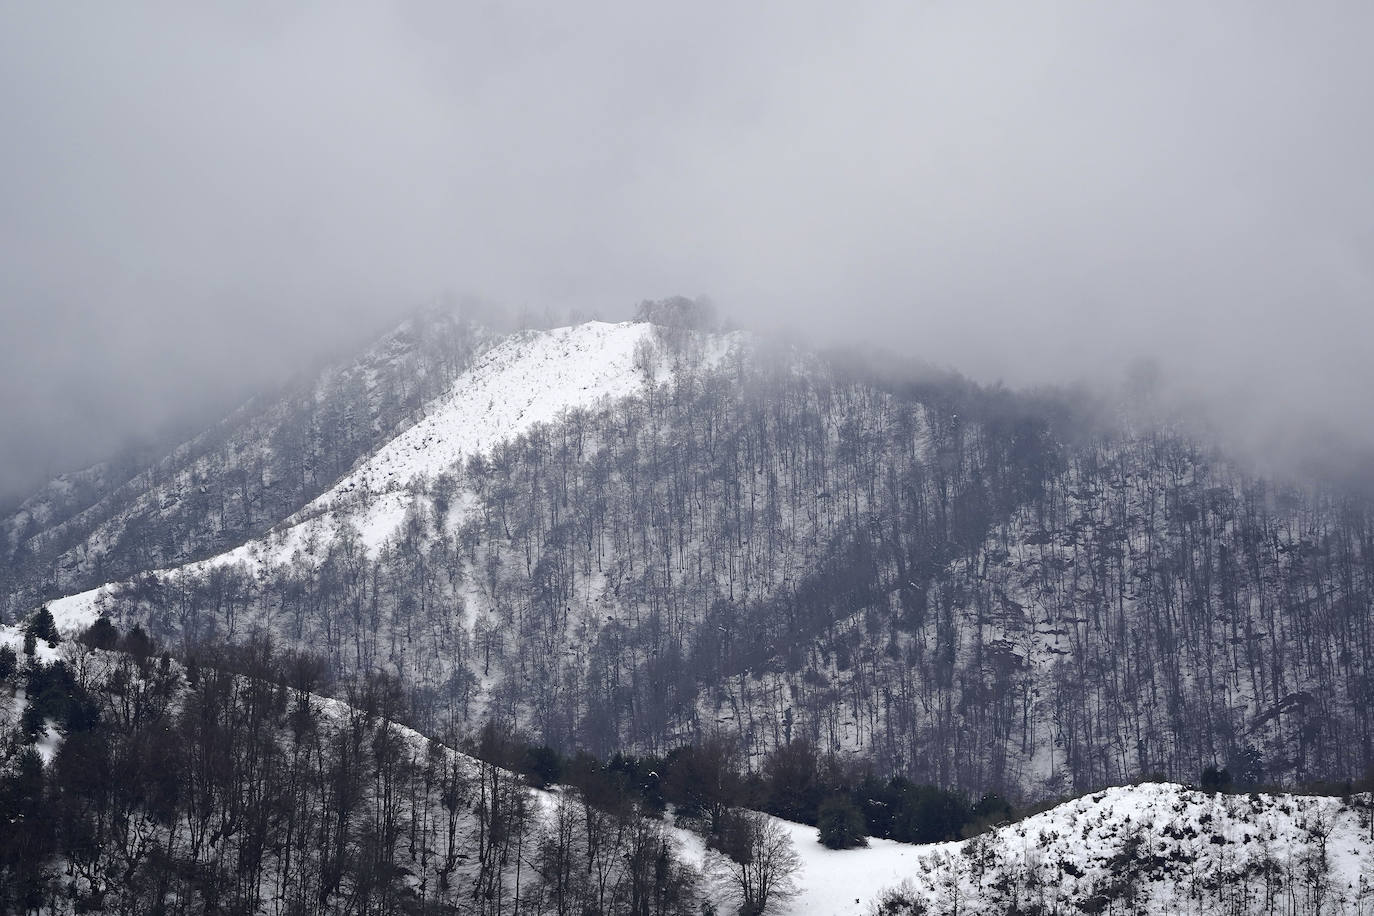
(758, 865)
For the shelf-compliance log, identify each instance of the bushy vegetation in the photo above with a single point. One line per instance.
(841, 824)
(706, 783)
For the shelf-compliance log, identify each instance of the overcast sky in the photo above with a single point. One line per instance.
(192, 201)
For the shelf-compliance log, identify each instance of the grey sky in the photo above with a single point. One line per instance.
(191, 200)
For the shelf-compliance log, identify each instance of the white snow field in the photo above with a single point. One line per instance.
(829, 881)
(845, 880)
(530, 378)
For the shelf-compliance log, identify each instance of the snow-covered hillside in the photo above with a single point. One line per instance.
(1155, 847)
(59, 495)
(163, 505)
(530, 378)
(422, 827)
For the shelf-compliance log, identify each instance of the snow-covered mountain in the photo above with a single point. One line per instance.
(631, 536)
(660, 558)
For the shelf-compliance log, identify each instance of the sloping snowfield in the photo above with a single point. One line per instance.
(528, 379)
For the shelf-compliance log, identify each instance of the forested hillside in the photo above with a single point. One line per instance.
(133, 783)
(970, 587)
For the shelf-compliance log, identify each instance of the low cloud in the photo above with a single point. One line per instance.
(193, 202)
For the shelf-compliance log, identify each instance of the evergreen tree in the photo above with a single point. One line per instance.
(841, 823)
(43, 627)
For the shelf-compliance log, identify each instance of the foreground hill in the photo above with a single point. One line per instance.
(130, 783)
(1150, 848)
(632, 537)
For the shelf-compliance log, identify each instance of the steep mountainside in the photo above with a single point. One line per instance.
(628, 537)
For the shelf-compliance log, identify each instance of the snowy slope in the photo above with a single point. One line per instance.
(532, 377)
(1171, 848)
(828, 882)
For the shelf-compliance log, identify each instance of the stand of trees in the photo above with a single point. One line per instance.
(225, 784)
(707, 785)
(222, 781)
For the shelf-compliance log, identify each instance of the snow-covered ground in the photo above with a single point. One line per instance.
(834, 881)
(1192, 848)
(14, 638)
(829, 881)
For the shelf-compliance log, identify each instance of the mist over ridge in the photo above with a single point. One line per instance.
(201, 201)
